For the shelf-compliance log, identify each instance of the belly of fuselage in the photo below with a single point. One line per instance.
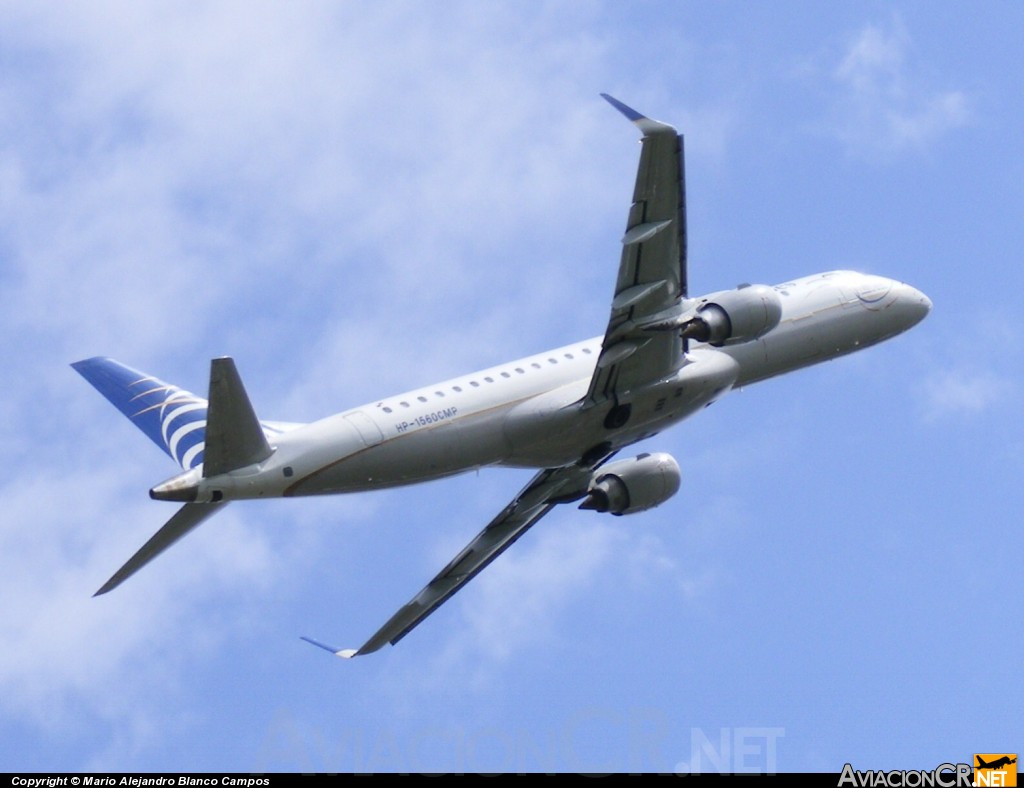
(443, 450)
(547, 430)
(554, 429)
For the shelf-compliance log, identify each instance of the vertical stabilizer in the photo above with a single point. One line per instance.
(174, 419)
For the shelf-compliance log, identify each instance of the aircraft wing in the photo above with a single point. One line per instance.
(652, 271)
(547, 489)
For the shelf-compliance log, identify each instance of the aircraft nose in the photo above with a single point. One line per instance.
(914, 304)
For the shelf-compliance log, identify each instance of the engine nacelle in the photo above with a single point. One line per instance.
(734, 316)
(633, 485)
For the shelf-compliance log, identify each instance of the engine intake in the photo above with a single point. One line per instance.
(731, 317)
(633, 485)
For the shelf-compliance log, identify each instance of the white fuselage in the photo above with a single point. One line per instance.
(528, 413)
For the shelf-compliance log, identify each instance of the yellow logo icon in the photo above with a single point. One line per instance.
(997, 769)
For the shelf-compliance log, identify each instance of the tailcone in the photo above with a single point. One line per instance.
(183, 488)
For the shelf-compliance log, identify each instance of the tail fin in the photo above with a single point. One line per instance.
(180, 423)
(174, 419)
(221, 433)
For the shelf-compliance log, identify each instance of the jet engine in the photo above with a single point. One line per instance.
(734, 316)
(633, 485)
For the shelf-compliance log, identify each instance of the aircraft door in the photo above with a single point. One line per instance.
(367, 428)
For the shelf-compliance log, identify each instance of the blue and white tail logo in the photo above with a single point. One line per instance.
(174, 419)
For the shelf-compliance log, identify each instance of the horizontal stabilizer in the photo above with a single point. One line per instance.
(187, 517)
(234, 437)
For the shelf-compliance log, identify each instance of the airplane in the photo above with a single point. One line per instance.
(664, 356)
(998, 763)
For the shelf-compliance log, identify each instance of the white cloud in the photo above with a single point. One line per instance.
(978, 377)
(964, 391)
(63, 536)
(882, 105)
(195, 148)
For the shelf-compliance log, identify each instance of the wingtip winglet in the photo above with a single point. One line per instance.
(628, 111)
(344, 653)
(642, 122)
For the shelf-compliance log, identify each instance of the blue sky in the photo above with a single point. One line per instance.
(355, 199)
